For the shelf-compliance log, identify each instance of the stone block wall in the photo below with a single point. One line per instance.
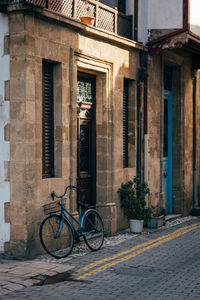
(182, 122)
(155, 120)
(71, 47)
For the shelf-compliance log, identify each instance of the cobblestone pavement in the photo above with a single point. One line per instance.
(159, 264)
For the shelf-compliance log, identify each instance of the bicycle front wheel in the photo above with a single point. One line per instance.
(56, 237)
(93, 230)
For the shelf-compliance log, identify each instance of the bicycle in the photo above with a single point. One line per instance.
(58, 233)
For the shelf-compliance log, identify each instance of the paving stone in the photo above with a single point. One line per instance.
(12, 286)
(168, 271)
(19, 271)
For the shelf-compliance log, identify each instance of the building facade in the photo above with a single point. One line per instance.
(94, 106)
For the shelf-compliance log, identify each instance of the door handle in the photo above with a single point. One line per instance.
(165, 174)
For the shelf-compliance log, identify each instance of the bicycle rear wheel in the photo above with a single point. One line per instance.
(57, 238)
(93, 229)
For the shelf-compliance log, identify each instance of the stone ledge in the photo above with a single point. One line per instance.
(7, 90)
(6, 44)
(7, 170)
(7, 212)
(7, 132)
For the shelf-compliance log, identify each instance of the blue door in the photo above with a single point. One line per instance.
(167, 150)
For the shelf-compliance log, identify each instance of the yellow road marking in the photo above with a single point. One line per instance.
(131, 249)
(150, 244)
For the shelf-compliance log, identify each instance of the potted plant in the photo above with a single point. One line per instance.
(88, 18)
(132, 197)
(157, 218)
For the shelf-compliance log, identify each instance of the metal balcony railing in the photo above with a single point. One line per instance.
(106, 18)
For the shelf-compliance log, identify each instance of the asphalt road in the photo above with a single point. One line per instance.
(161, 265)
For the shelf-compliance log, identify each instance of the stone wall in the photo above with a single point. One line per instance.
(155, 120)
(182, 120)
(72, 47)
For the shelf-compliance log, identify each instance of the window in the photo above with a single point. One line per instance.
(128, 124)
(125, 123)
(47, 121)
(120, 4)
(168, 75)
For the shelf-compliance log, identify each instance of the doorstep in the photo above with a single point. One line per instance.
(195, 211)
(172, 217)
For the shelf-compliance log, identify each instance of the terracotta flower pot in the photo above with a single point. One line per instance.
(87, 20)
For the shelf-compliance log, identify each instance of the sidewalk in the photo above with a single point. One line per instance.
(16, 275)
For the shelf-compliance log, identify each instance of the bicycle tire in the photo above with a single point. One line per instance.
(93, 229)
(57, 244)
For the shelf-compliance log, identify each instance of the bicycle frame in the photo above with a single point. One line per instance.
(78, 232)
(64, 214)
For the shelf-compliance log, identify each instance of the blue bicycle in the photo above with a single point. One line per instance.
(58, 232)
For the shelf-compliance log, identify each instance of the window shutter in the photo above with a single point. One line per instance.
(48, 121)
(122, 6)
(125, 123)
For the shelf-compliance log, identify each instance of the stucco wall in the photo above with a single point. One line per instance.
(4, 145)
(158, 14)
(194, 16)
(165, 14)
(143, 21)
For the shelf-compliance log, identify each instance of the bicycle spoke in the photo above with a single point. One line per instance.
(56, 236)
(93, 231)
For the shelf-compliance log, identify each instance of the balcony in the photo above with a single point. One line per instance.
(106, 18)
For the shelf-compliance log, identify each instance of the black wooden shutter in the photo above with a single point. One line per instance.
(125, 123)
(48, 121)
(122, 6)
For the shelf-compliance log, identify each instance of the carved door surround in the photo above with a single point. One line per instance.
(86, 138)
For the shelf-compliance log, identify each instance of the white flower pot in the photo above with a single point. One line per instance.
(136, 226)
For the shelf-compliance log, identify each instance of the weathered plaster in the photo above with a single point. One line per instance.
(4, 145)
(170, 16)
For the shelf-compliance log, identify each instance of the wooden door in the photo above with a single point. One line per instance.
(86, 138)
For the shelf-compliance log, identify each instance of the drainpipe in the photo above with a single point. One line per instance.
(142, 106)
(145, 127)
(135, 29)
(139, 111)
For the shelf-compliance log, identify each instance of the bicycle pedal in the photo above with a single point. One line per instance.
(77, 239)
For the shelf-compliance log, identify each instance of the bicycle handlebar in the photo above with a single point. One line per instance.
(53, 194)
